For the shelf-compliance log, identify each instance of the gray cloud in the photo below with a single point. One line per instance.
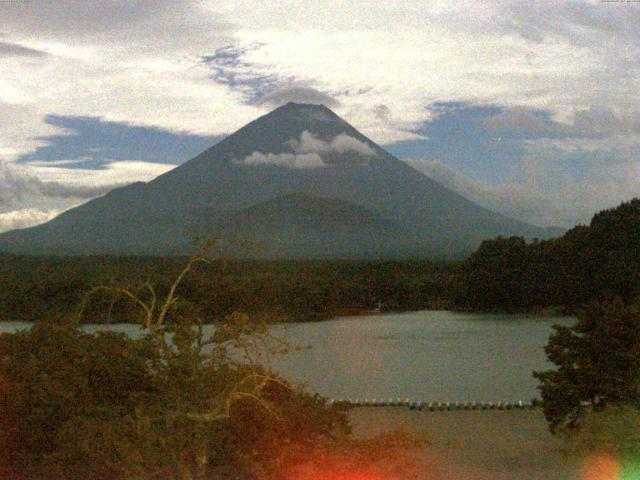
(133, 25)
(26, 201)
(297, 94)
(522, 122)
(15, 50)
(592, 122)
(230, 69)
(34, 194)
(547, 190)
(577, 22)
(382, 112)
(517, 200)
(595, 121)
(17, 186)
(77, 18)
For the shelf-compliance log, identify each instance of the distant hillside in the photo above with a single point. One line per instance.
(304, 150)
(594, 262)
(302, 226)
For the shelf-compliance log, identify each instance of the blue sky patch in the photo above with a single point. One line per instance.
(93, 142)
(484, 142)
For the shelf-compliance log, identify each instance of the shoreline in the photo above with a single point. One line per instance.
(361, 314)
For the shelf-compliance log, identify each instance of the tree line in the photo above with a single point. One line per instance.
(597, 262)
(592, 394)
(46, 287)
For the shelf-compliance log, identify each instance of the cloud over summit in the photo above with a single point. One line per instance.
(308, 151)
(309, 143)
(297, 94)
(298, 161)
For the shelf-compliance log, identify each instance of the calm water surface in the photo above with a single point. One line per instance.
(431, 355)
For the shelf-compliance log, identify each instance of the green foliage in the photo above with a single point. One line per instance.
(170, 405)
(39, 287)
(494, 273)
(598, 364)
(77, 406)
(614, 429)
(598, 262)
(53, 375)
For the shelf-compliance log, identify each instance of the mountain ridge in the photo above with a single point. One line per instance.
(295, 149)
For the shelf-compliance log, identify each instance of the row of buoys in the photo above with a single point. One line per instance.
(434, 406)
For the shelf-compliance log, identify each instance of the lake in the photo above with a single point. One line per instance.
(435, 356)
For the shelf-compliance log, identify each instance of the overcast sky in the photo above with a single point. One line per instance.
(529, 108)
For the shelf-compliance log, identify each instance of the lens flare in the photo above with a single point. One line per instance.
(601, 466)
(330, 474)
(607, 466)
(631, 469)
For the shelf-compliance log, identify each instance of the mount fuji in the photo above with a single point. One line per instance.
(299, 182)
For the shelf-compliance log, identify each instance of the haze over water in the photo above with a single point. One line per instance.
(431, 355)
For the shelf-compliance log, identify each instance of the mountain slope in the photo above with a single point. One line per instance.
(295, 149)
(302, 226)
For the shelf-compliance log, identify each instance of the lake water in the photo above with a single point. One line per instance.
(431, 356)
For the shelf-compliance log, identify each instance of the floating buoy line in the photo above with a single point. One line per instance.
(434, 406)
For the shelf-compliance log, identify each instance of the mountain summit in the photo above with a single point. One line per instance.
(299, 182)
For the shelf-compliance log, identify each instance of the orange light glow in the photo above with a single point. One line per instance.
(329, 469)
(601, 466)
(337, 476)
(329, 474)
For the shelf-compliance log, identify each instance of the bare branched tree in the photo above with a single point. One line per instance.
(200, 377)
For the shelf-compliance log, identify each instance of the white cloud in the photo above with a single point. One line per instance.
(117, 61)
(22, 129)
(344, 143)
(30, 195)
(21, 184)
(289, 160)
(308, 151)
(171, 93)
(113, 173)
(309, 143)
(27, 217)
(411, 54)
(133, 62)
